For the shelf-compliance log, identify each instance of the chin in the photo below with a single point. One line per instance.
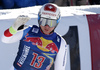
(46, 33)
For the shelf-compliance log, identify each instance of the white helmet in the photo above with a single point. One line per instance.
(47, 13)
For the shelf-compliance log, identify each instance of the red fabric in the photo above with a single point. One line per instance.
(94, 28)
(71, 2)
(7, 33)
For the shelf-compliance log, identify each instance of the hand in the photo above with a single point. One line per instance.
(20, 21)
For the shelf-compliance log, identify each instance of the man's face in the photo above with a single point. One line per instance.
(46, 29)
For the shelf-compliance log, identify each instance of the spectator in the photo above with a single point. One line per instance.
(41, 2)
(0, 4)
(10, 4)
(60, 2)
(82, 2)
(93, 2)
(70, 2)
(24, 3)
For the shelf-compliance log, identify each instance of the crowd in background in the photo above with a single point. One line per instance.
(11, 4)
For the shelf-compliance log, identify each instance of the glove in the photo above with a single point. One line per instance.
(19, 24)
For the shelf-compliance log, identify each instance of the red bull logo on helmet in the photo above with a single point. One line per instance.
(42, 44)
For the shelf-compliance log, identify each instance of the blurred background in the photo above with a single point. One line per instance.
(12, 4)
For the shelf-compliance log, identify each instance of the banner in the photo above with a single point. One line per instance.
(94, 28)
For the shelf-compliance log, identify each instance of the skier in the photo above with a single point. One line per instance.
(40, 46)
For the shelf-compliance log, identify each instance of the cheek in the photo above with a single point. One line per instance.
(52, 28)
(41, 27)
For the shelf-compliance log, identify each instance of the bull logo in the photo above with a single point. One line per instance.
(42, 43)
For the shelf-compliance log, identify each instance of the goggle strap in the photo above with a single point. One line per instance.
(58, 20)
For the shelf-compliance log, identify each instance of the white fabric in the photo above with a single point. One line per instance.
(12, 68)
(61, 57)
(16, 37)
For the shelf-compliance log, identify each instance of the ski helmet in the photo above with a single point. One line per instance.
(49, 14)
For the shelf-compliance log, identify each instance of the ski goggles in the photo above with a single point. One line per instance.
(50, 22)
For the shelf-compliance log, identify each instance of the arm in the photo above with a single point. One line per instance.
(7, 37)
(60, 62)
(15, 32)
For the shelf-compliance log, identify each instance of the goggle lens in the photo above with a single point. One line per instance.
(50, 22)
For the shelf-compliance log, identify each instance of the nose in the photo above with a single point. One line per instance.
(47, 26)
